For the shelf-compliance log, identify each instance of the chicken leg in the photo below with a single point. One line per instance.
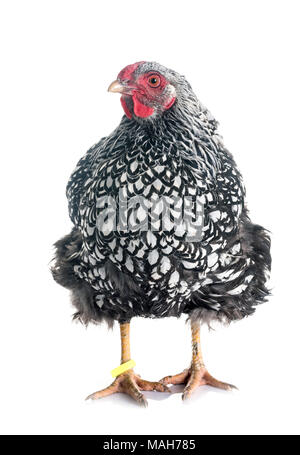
(129, 382)
(197, 374)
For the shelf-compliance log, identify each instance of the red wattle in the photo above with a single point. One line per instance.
(140, 109)
(125, 107)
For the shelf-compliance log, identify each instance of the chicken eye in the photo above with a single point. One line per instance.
(154, 81)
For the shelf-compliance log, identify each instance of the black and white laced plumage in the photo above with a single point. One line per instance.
(173, 153)
(156, 273)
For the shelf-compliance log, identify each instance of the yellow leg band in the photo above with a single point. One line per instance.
(122, 368)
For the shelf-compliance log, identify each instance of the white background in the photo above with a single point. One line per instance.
(57, 60)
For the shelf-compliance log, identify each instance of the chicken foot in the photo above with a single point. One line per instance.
(129, 382)
(197, 374)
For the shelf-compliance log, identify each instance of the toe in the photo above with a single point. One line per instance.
(138, 397)
(102, 393)
(162, 387)
(195, 380)
(148, 385)
(176, 379)
(130, 386)
(210, 380)
(159, 387)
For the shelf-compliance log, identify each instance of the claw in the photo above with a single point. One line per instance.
(143, 402)
(185, 395)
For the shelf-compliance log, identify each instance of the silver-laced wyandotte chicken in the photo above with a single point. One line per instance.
(160, 224)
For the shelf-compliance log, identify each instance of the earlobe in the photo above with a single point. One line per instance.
(140, 109)
(170, 104)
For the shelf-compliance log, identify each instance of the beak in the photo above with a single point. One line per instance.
(117, 87)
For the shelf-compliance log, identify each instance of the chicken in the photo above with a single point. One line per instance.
(160, 225)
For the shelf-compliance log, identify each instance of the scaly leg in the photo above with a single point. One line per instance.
(129, 382)
(197, 374)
